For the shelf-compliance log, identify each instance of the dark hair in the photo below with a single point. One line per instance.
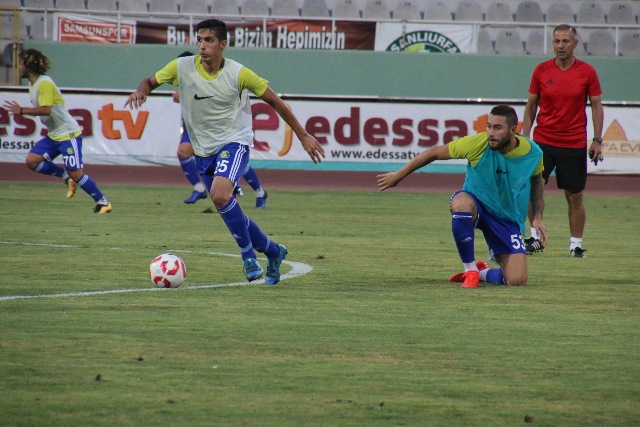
(507, 112)
(218, 27)
(34, 61)
(566, 27)
(186, 53)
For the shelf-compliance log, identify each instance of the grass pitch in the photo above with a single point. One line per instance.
(373, 335)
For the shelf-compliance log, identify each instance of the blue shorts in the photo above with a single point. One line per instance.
(71, 150)
(502, 237)
(185, 137)
(230, 162)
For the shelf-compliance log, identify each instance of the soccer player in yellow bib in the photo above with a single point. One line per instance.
(215, 107)
(64, 135)
(504, 174)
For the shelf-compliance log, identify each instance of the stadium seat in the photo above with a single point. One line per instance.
(165, 6)
(560, 13)
(225, 7)
(346, 9)
(468, 10)
(201, 7)
(509, 42)
(71, 4)
(590, 13)
(285, 8)
(621, 12)
(534, 45)
(102, 5)
(629, 44)
(376, 9)
(133, 6)
(34, 23)
(437, 11)
(498, 11)
(315, 8)
(485, 44)
(41, 4)
(601, 43)
(407, 10)
(254, 8)
(529, 11)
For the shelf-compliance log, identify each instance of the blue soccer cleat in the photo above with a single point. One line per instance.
(273, 267)
(252, 269)
(261, 202)
(195, 196)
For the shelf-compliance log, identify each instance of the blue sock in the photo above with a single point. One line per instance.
(46, 167)
(495, 276)
(91, 188)
(260, 240)
(234, 219)
(252, 178)
(463, 234)
(190, 170)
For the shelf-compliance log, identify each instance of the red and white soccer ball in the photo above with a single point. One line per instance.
(167, 271)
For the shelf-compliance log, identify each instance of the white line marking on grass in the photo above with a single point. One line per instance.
(297, 269)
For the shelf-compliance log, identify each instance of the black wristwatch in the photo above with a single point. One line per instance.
(597, 140)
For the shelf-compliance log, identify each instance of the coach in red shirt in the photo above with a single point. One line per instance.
(558, 94)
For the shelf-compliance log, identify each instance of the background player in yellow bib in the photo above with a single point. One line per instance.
(215, 107)
(64, 136)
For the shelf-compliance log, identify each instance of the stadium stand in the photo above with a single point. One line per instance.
(560, 13)
(498, 11)
(285, 8)
(509, 42)
(376, 9)
(629, 44)
(590, 13)
(133, 6)
(534, 44)
(468, 10)
(71, 4)
(529, 11)
(407, 10)
(485, 44)
(346, 9)
(254, 8)
(43, 4)
(600, 43)
(621, 12)
(437, 11)
(195, 6)
(315, 8)
(225, 7)
(108, 5)
(165, 6)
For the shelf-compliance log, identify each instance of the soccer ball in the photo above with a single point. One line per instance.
(167, 271)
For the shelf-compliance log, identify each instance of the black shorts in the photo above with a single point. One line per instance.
(570, 165)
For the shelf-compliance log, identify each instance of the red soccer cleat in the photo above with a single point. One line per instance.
(459, 278)
(471, 279)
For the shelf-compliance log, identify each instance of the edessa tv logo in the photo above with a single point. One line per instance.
(423, 41)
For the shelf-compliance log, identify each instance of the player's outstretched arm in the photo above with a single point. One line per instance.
(537, 207)
(391, 179)
(309, 143)
(139, 97)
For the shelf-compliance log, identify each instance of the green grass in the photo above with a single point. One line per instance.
(373, 335)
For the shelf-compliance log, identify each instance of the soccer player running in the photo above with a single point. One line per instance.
(558, 92)
(64, 135)
(215, 107)
(504, 174)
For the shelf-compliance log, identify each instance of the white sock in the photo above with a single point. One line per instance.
(260, 192)
(469, 266)
(483, 274)
(575, 242)
(534, 233)
(199, 187)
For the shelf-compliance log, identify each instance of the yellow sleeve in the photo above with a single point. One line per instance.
(469, 147)
(247, 79)
(169, 74)
(47, 94)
